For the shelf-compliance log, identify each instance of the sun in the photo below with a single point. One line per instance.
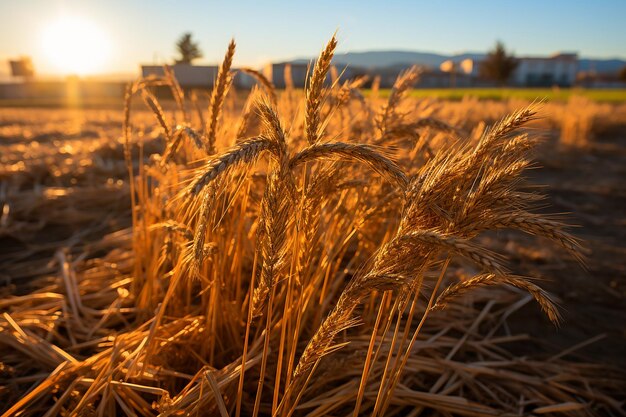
(75, 45)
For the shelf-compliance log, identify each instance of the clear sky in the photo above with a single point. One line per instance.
(145, 31)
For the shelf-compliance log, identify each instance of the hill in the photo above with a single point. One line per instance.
(380, 59)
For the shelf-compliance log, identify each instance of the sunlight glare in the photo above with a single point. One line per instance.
(75, 45)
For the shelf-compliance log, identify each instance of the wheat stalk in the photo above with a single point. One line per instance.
(403, 83)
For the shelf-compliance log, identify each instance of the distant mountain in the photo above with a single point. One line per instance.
(380, 59)
(601, 65)
(375, 59)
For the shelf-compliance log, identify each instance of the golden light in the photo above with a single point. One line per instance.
(75, 45)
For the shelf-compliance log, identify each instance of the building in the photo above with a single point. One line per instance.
(22, 67)
(197, 76)
(463, 73)
(275, 72)
(559, 69)
(188, 76)
(556, 70)
(467, 66)
(470, 67)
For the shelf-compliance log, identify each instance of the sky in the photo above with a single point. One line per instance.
(132, 32)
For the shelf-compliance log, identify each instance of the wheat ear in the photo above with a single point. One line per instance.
(488, 260)
(314, 91)
(264, 81)
(245, 152)
(403, 83)
(542, 297)
(357, 152)
(177, 91)
(154, 105)
(222, 84)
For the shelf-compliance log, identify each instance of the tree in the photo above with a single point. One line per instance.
(188, 49)
(498, 66)
(622, 74)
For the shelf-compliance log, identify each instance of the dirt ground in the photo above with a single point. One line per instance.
(587, 184)
(69, 149)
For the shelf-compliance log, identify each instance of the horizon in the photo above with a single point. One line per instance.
(129, 75)
(592, 30)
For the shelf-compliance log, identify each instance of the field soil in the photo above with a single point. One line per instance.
(587, 184)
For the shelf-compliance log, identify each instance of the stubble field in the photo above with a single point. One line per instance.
(323, 253)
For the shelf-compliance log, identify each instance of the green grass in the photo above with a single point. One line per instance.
(600, 95)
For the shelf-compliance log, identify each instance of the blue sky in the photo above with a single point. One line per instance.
(140, 31)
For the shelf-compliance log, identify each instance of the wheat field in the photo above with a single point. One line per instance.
(289, 253)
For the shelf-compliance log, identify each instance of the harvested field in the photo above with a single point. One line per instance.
(313, 254)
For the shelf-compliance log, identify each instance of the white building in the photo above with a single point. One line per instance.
(559, 69)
